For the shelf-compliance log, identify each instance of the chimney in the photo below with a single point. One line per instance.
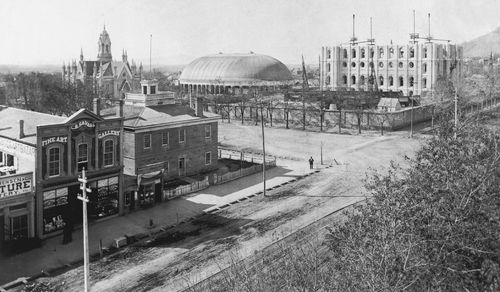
(21, 129)
(119, 109)
(198, 107)
(97, 106)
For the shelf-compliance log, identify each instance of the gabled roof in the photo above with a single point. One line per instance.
(9, 123)
(389, 102)
(82, 114)
(137, 116)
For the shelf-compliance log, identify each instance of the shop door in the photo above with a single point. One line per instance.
(158, 192)
(182, 166)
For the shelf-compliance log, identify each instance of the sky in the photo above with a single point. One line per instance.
(35, 32)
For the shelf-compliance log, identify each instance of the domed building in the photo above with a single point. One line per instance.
(234, 73)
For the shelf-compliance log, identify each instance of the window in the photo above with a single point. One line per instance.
(147, 141)
(363, 53)
(424, 83)
(1, 158)
(411, 65)
(401, 81)
(164, 138)
(412, 53)
(371, 64)
(208, 158)
(9, 160)
(144, 90)
(344, 79)
(353, 64)
(353, 79)
(424, 68)
(381, 52)
(401, 53)
(391, 52)
(425, 52)
(54, 161)
(362, 80)
(327, 80)
(329, 53)
(400, 64)
(381, 64)
(208, 131)
(381, 80)
(19, 227)
(344, 64)
(410, 81)
(153, 89)
(372, 53)
(345, 53)
(390, 65)
(362, 64)
(182, 136)
(328, 67)
(391, 81)
(166, 167)
(55, 198)
(353, 53)
(83, 156)
(109, 153)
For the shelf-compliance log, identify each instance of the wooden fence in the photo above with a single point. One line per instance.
(185, 189)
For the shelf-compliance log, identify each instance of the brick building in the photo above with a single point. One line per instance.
(163, 141)
(55, 149)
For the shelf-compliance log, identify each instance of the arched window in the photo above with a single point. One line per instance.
(381, 64)
(353, 53)
(353, 80)
(400, 64)
(412, 53)
(353, 64)
(401, 53)
(425, 52)
(410, 81)
(391, 52)
(363, 53)
(329, 53)
(390, 65)
(391, 81)
(362, 64)
(381, 80)
(411, 64)
(344, 80)
(381, 52)
(108, 156)
(345, 53)
(328, 67)
(424, 83)
(424, 68)
(401, 81)
(362, 80)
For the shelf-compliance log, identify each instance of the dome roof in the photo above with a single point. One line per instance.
(235, 69)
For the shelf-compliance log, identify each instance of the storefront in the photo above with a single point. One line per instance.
(16, 207)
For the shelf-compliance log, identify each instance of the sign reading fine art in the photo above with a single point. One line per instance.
(15, 185)
(107, 133)
(61, 139)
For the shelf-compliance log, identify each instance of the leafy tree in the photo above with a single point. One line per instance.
(434, 227)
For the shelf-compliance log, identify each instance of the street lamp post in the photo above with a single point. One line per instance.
(85, 200)
(263, 151)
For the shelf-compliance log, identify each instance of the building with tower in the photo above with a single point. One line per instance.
(108, 77)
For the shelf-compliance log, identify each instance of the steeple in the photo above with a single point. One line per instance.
(81, 54)
(124, 56)
(104, 44)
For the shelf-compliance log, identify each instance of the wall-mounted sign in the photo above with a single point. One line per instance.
(60, 139)
(16, 185)
(7, 145)
(107, 133)
(82, 123)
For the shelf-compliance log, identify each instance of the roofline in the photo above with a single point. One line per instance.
(171, 124)
(19, 141)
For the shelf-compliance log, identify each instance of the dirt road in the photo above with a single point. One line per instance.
(200, 248)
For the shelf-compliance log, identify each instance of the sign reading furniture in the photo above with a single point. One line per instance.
(16, 185)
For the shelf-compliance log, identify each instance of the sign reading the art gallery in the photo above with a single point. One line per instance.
(16, 185)
(83, 123)
(60, 139)
(107, 133)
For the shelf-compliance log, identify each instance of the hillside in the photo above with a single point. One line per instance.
(483, 45)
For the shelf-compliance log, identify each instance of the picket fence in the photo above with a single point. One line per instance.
(185, 189)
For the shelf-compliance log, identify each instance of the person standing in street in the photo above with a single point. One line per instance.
(311, 162)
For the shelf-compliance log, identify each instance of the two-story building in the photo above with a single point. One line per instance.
(56, 149)
(163, 140)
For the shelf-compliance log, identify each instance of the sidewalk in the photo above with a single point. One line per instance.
(53, 254)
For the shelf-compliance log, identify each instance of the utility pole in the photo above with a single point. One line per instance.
(411, 118)
(263, 150)
(321, 152)
(456, 116)
(83, 198)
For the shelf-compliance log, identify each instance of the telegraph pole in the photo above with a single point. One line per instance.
(456, 115)
(411, 119)
(85, 200)
(263, 150)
